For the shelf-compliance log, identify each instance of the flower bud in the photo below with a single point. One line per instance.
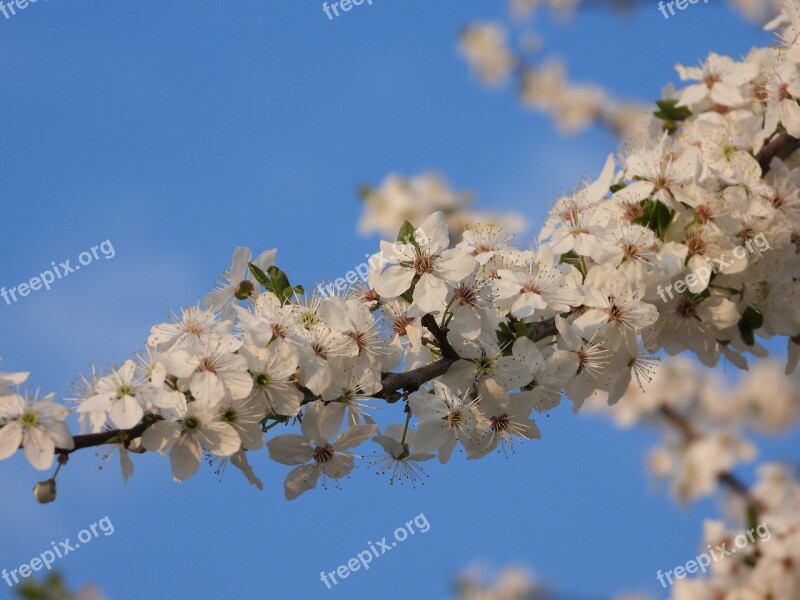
(45, 491)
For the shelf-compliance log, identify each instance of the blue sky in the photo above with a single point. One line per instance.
(181, 130)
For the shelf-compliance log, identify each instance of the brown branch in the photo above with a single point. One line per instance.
(781, 146)
(391, 384)
(126, 436)
(429, 321)
(413, 380)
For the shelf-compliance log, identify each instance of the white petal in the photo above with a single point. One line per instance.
(39, 448)
(300, 480)
(355, 436)
(290, 449)
(126, 412)
(10, 439)
(394, 281)
(185, 457)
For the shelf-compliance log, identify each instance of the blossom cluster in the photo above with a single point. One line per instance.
(542, 81)
(478, 336)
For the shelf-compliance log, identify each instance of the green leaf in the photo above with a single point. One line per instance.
(669, 111)
(406, 233)
(752, 517)
(280, 284)
(260, 276)
(571, 258)
(521, 329)
(505, 337)
(657, 217)
(751, 321)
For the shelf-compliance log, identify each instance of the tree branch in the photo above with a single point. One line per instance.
(391, 384)
(781, 146)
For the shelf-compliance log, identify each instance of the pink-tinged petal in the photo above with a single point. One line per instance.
(185, 458)
(300, 480)
(394, 281)
(39, 448)
(10, 439)
(290, 449)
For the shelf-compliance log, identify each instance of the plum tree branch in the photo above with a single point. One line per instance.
(781, 146)
(727, 478)
(391, 384)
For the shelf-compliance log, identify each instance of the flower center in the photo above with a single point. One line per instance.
(399, 325)
(499, 424)
(465, 295)
(633, 212)
(423, 264)
(696, 245)
(687, 309)
(261, 380)
(191, 424)
(323, 454)
(207, 364)
(29, 420)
